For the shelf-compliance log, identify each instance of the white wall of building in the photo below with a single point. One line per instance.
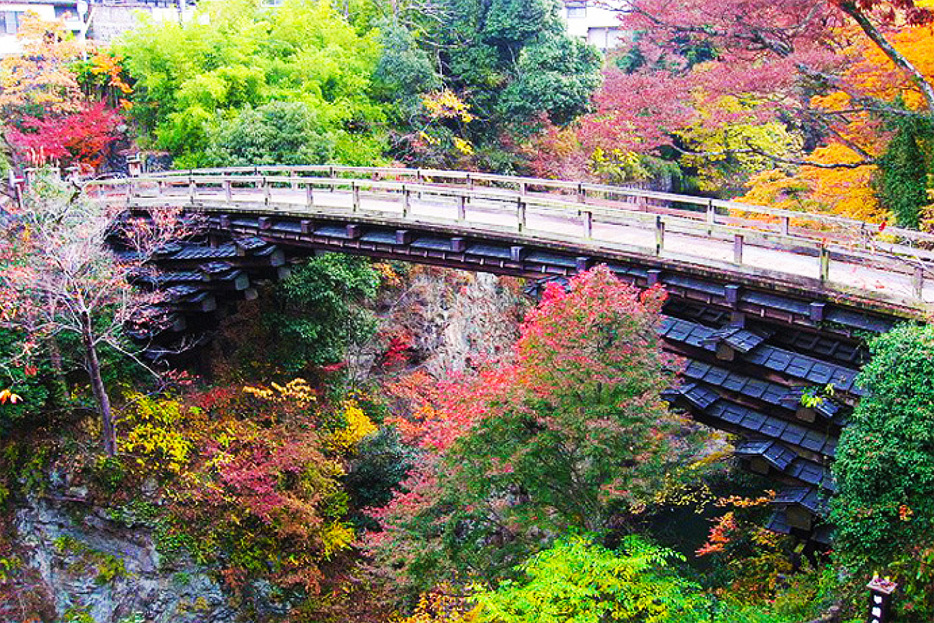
(593, 23)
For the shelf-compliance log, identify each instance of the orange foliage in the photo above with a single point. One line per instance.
(848, 191)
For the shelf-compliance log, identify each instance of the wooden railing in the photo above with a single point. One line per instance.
(455, 198)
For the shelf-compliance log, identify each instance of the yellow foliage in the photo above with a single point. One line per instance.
(388, 274)
(296, 392)
(447, 105)
(41, 76)
(618, 166)
(463, 145)
(7, 395)
(847, 192)
(357, 426)
(730, 144)
(155, 431)
(335, 537)
(439, 606)
(841, 191)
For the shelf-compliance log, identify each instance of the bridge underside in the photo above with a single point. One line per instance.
(751, 351)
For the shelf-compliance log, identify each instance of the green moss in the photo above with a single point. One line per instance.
(106, 567)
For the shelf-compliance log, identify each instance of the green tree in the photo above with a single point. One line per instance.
(319, 310)
(572, 434)
(514, 66)
(581, 581)
(903, 170)
(195, 81)
(884, 511)
(274, 133)
(553, 76)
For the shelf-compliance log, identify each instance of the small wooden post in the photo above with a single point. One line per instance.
(228, 190)
(462, 208)
(520, 215)
(738, 249)
(659, 235)
(711, 213)
(824, 262)
(523, 189)
(406, 202)
(134, 165)
(880, 600)
(267, 187)
(160, 188)
(588, 224)
(192, 189)
(917, 282)
(355, 190)
(786, 226)
(581, 194)
(469, 182)
(293, 183)
(309, 194)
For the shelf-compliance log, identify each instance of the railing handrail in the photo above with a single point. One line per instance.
(701, 202)
(856, 243)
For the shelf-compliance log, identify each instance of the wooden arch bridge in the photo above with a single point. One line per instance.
(765, 305)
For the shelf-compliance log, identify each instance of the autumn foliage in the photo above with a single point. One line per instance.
(48, 114)
(569, 431)
(253, 476)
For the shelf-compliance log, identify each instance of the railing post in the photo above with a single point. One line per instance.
(406, 202)
(355, 191)
(469, 182)
(520, 215)
(659, 235)
(309, 194)
(267, 187)
(786, 226)
(523, 188)
(581, 194)
(462, 208)
(588, 224)
(917, 282)
(192, 189)
(160, 188)
(293, 183)
(738, 249)
(880, 599)
(331, 176)
(711, 213)
(228, 190)
(824, 262)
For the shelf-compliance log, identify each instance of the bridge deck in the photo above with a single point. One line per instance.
(838, 257)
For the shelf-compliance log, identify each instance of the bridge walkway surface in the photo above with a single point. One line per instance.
(840, 257)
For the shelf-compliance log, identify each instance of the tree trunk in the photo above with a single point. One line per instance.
(97, 386)
(899, 59)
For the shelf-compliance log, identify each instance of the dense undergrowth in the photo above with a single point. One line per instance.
(540, 486)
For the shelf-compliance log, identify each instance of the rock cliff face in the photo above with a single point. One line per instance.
(455, 318)
(95, 569)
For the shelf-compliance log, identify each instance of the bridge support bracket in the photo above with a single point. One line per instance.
(404, 236)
